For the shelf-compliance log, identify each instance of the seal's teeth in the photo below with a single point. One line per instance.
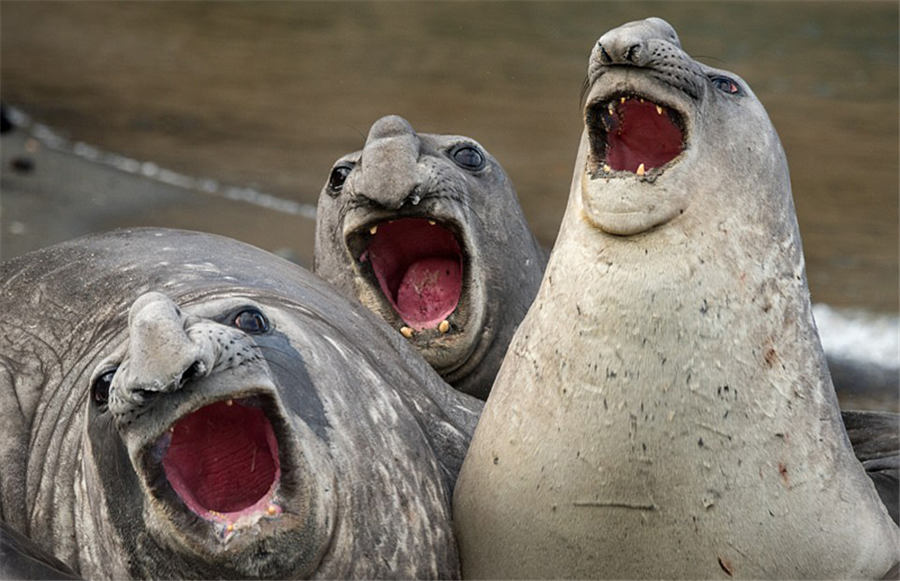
(230, 402)
(373, 229)
(406, 332)
(658, 110)
(229, 528)
(444, 326)
(640, 170)
(622, 100)
(606, 168)
(611, 108)
(431, 222)
(272, 510)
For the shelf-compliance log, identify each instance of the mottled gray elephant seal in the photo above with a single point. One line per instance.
(674, 417)
(181, 405)
(427, 232)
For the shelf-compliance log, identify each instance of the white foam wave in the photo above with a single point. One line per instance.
(858, 335)
(150, 170)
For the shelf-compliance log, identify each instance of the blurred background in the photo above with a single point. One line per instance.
(226, 117)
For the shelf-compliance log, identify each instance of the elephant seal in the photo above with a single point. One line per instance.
(182, 405)
(664, 409)
(427, 232)
(875, 437)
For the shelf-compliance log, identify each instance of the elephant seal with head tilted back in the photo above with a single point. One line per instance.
(665, 409)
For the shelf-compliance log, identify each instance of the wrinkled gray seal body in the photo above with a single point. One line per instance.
(182, 405)
(674, 417)
(427, 232)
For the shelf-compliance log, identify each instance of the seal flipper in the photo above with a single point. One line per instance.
(22, 558)
(876, 443)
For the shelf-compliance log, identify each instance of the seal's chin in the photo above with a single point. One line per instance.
(418, 266)
(222, 462)
(631, 134)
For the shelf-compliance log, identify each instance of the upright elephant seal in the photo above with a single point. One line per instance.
(427, 232)
(181, 405)
(664, 409)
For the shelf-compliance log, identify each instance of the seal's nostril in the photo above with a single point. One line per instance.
(145, 395)
(633, 53)
(604, 56)
(195, 371)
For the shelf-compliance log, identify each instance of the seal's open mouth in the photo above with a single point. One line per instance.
(418, 265)
(222, 460)
(633, 134)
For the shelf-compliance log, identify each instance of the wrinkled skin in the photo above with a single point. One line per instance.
(111, 341)
(460, 188)
(682, 423)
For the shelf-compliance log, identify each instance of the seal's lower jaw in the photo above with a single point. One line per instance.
(633, 136)
(417, 266)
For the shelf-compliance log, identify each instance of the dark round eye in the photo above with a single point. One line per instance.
(338, 177)
(100, 389)
(251, 321)
(468, 157)
(725, 85)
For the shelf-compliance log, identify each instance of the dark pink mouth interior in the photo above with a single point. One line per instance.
(223, 458)
(641, 132)
(419, 268)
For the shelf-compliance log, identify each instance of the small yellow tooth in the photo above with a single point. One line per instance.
(658, 110)
(622, 100)
(432, 222)
(373, 229)
(640, 170)
(611, 108)
(229, 528)
(444, 326)
(229, 402)
(406, 332)
(606, 168)
(271, 510)
(642, 99)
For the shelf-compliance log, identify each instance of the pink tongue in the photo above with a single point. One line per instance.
(429, 291)
(419, 267)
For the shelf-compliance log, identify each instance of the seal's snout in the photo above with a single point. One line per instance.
(390, 126)
(388, 173)
(629, 43)
(157, 326)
